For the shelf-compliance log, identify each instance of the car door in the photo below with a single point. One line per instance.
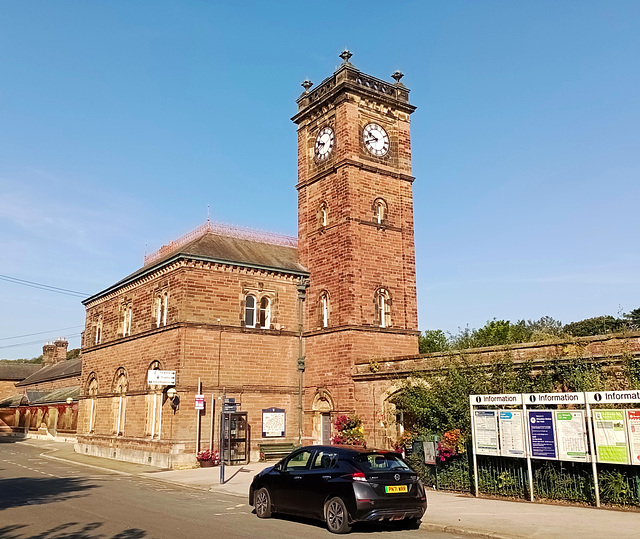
(322, 470)
(293, 476)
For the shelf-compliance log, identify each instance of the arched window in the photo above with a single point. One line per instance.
(323, 309)
(323, 215)
(161, 307)
(126, 313)
(265, 312)
(92, 393)
(250, 311)
(153, 422)
(98, 339)
(120, 386)
(383, 308)
(380, 211)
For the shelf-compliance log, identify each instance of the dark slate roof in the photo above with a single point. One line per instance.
(41, 397)
(18, 371)
(227, 250)
(63, 369)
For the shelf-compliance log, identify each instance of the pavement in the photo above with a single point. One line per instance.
(448, 512)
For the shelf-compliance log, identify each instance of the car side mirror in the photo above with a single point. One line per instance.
(278, 467)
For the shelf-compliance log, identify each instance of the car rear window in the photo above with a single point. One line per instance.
(380, 462)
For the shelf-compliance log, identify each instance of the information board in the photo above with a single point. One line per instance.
(633, 430)
(273, 422)
(611, 436)
(571, 434)
(486, 432)
(542, 435)
(430, 452)
(161, 378)
(199, 402)
(511, 434)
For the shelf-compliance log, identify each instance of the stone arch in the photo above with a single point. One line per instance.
(322, 407)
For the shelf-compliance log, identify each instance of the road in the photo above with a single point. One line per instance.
(48, 499)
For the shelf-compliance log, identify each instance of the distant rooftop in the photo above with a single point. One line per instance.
(221, 229)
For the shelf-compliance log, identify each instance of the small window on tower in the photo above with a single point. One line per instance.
(126, 313)
(98, 330)
(383, 308)
(265, 312)
(250, 311)
(323, 309)
(380, 211)
(161, 308)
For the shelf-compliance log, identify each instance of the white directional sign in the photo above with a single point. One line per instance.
(161, 378)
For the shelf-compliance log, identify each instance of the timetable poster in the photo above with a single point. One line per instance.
(511, 434)
(633, 428)
(611, 436)
(486, 432)
(570, 430)
(542, 435)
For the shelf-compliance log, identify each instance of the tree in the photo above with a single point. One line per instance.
(633, 318)
(595, 326)
(433, 340)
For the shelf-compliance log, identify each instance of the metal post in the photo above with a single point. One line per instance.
(198, 420)
(302, 293)
(475, 459)
(213, 415)
(592, 445)
(525, 421)
(222, 436)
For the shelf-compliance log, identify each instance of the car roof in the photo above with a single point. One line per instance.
(348, 450)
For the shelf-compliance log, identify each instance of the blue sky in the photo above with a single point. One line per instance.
(120, 121)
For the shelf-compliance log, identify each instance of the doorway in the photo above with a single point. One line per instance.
(326, 429)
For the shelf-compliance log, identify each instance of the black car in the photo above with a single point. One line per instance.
(340, 485)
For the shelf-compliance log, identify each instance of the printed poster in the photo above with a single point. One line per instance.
(273, 422)
(511, 434)
(611, 436)
(486, 432)
(542, 435)
(633, 429)
(430, 452)
(571, 434)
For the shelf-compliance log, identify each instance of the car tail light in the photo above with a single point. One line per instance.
(357, 476)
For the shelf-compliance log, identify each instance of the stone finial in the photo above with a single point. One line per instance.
(345, 55)
(397, 75)
(306, 84)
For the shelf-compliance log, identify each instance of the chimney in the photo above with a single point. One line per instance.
(61, 345)
(48, 354)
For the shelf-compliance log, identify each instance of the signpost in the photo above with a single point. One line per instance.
(199, 402)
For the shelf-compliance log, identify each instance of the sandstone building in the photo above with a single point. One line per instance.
(274, 322)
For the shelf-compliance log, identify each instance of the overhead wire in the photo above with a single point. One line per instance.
(39, 333)
(17, 345)
(41, 286)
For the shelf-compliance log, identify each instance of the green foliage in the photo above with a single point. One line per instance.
(633, 319)
(618, 486)
(74, 353)
(34, 360)
(433, 340)
(599, 325)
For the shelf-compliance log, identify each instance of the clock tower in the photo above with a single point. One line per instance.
(355, 234)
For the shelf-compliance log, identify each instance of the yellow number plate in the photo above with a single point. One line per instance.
(398, 488)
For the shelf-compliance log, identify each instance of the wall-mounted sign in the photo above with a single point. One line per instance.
(511, 434)
(199, 402)
(541, 434)
(571, 433)
(161, 378)
(273, 422)
(633, 430)
(430, 452)
(486, 432)
(611, 436)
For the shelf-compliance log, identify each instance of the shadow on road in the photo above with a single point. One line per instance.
(359, 527)
(12, 437)
(20, 491)
(70, 530)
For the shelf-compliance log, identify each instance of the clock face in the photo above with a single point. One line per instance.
(324, 143)
(376, 140)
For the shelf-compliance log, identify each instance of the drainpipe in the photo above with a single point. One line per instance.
(302, 286)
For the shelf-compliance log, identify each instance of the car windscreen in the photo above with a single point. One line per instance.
(380, 462)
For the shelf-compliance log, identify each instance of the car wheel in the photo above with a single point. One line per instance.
(262, 503)
(337, 516)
